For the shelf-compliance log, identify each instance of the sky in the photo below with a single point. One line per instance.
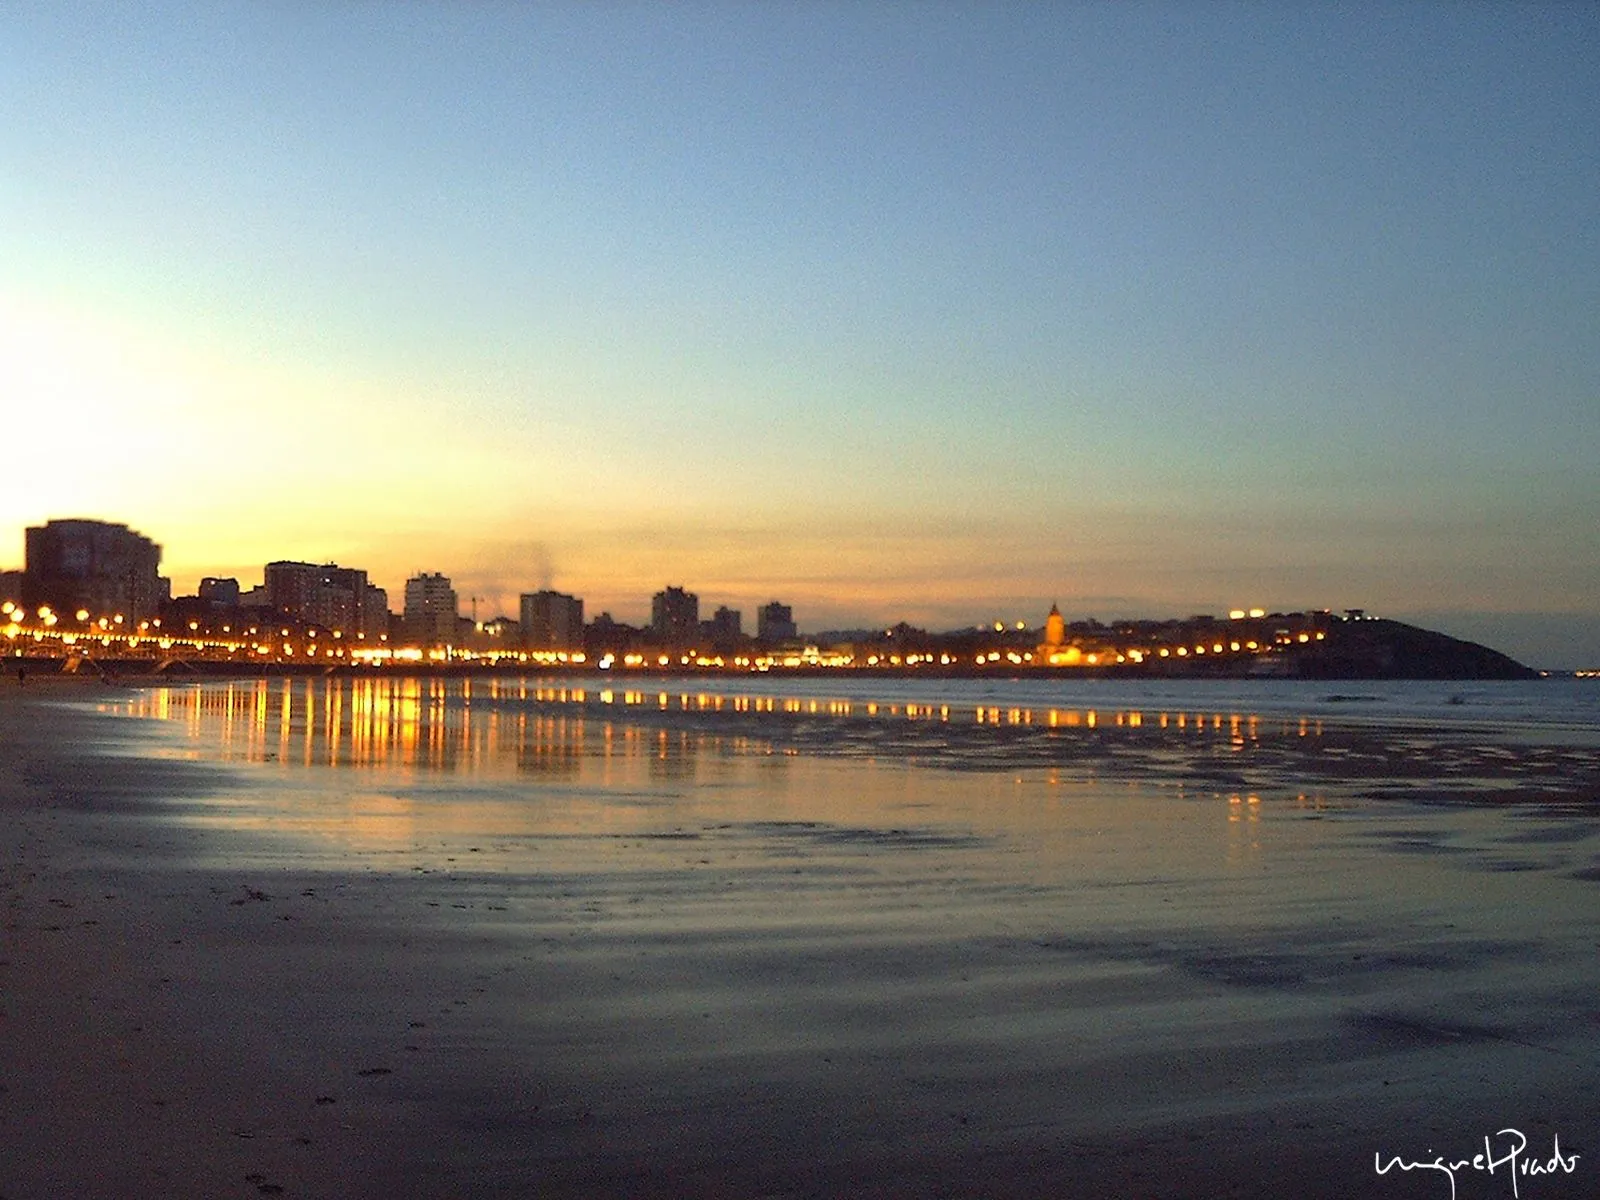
(923, 311)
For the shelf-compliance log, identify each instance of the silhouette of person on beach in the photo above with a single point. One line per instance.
(22, 676)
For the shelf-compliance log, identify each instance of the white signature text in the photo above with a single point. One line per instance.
(1509, 1153)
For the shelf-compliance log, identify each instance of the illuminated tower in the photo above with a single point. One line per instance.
(1055, 629)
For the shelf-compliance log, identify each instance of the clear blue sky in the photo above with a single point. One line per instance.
(930, 311)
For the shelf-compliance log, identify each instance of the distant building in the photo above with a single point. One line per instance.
(328, 596)
(675, 617)
(215, 604)
(605, 635)
(552, 621)
(222, 593)
(1055, 629)
(430, 612)
(1054, 649)
(374, 613)
(725, 628)
(502, 631)
(775, 623)
(104, 568)
(11, 586)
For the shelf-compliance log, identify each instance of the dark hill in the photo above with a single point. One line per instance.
(1380, 649)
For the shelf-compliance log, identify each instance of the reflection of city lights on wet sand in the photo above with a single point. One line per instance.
(676, 916)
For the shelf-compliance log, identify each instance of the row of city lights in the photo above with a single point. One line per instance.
(46, 626)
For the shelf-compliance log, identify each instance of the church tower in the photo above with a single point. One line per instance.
(1055, 629)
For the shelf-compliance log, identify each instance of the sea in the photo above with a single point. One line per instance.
(302, 745)
(1553, 703)
(903, 936)
(340, 710)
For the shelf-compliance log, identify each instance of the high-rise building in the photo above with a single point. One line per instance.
(725, 628)
(222, 593)
(328, 596)
(675, 617)
(104, 568)
(374, 613)
(552, 621)
(775, 623)
(430, 612)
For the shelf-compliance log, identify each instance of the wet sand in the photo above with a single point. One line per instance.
(552, 955)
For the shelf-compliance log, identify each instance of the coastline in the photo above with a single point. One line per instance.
(342, 1024)
(116, 1081)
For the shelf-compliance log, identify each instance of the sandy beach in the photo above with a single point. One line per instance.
(520, 952)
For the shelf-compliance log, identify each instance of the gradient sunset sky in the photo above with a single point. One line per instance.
(938, 312)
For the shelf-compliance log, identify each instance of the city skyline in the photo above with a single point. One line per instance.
(939, 313)
(97, 584)
(91, 592)
(336, 596)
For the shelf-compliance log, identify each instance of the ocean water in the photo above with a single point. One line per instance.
(1523, 705)
(882, 935)
(1501, 738)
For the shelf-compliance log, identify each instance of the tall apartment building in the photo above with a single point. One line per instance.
(95, 565)
(675, 617)
(775, 623)
(552, 621)
(725, 628)
(430, 613)
(329, 596)
(374, 613)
